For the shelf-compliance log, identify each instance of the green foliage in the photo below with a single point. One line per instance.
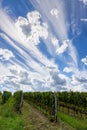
(74, 100)
(43, 100)
(11, 120)
(17, 100)
(0, 93)
(5, 96)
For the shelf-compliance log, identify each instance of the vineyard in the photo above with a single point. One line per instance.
(55, 106)
(73, 103)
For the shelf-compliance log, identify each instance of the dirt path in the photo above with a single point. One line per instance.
(37, 121)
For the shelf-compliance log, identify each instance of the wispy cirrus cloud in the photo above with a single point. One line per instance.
(84, 60)
(5, 54)
(27, 52)
(9, 23)
(84, 20)
(68, 70)
(49, 11)
(31, 48)
(84, 1)
(30, 69)
(63, 47)
(1, 2)
(54, 12)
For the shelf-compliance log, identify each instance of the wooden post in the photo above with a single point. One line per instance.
(21, 102)
(56, 106)
(3, 98)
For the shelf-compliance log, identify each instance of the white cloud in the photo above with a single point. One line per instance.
(54, 12)
(23, 29)
(58, 81)
(84, 60)
(9, 23)
(56, 47)
(80, 77)
(63, 47)
(5, 54)
(73, 54)
(79, 81)
(13, 77)
(31, 28)
(54, 8)
(55, 42)
(52, 44)
(84, 20)
(84, 1)
(70, 69)
(58, 27)
(27, 31)
(3, 70)
(75, 28)
(28, 59)
(33, 17)
(67, 70)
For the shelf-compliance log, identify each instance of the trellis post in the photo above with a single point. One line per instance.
(56, 106)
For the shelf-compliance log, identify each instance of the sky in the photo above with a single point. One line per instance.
(43, 45)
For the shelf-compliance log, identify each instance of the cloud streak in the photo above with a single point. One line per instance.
(84, 60)
(84, 1)
(49, 11)
(28, 65)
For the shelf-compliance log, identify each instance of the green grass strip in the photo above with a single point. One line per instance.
(76, 123)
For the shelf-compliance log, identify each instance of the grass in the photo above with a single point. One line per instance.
(11, 124)
(32, 119)
(76, 123)
(10, 120)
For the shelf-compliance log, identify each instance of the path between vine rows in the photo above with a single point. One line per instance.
(35, 120)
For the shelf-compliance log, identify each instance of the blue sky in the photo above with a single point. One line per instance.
(43, 45)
